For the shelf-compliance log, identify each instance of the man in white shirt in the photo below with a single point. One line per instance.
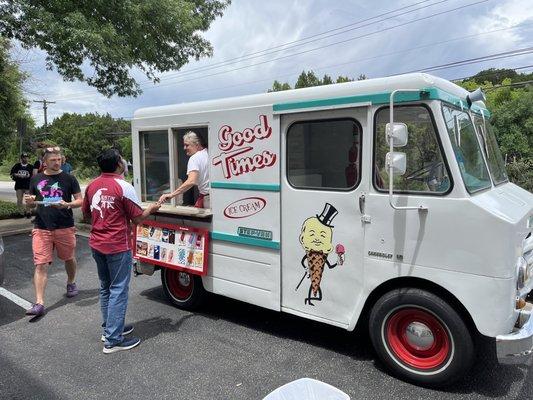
(197, 171)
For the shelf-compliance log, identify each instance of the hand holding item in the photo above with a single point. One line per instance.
(154, 207)
(339, 249)
(164, 198)
(29, 199)
(60, 204)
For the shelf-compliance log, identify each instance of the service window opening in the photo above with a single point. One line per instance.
(155, 177)
(180, 169)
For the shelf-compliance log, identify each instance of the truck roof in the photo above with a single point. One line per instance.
(368, 86)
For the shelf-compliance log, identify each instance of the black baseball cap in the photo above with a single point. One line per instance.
(24, 155)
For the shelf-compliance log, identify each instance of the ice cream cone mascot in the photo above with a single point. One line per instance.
(317, 240)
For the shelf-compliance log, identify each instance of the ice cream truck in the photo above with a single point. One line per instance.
(383, 201)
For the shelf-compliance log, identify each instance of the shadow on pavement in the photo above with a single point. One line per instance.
(18, 383)
(487, 377)
(152, 327)
(353, 344)
(85, 298)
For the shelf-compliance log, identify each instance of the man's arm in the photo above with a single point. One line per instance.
(85, 207)
(12, 172)
(152, 208)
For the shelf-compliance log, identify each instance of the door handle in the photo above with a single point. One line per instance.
(362, 203)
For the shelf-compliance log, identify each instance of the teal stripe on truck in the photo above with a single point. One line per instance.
(226, 237)
(264, 187)
(430, 93)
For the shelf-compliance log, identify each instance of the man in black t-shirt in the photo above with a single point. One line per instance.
(21, 173)
(52, 191)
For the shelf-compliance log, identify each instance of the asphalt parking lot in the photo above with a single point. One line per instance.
(228, 350)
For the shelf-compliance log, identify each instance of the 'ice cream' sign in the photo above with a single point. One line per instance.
(237, 152)
(245, 207)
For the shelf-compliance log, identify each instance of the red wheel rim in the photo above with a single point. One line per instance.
(417, 338)
(180, 284)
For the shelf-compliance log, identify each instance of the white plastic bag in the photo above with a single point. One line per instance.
(307, 389)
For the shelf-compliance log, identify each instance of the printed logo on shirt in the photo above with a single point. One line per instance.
(22, 174)
(50, 194)
(101, 201)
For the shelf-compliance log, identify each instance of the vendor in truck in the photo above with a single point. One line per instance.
(197, 171)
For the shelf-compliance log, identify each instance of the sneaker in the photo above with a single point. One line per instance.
(72, 290)
(36, 309)
(125, 345)
(127, 330)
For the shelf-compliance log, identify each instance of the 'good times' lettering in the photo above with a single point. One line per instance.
(232, 159)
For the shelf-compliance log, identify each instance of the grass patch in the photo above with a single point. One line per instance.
(8, 210)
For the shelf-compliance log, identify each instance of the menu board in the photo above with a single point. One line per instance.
(172, 246)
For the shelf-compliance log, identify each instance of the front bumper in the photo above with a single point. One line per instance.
(517, 346)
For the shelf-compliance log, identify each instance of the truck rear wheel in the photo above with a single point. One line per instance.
(184, 290)
(420, 337)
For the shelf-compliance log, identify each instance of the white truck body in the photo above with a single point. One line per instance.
(464, 246)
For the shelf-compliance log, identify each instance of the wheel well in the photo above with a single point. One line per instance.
(417, 283)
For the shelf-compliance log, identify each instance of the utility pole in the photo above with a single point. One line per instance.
(45, 107)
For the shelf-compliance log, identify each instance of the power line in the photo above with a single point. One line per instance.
(313, 49)
(304, 40)
(487, 88)
(331, 44)
(489, 73)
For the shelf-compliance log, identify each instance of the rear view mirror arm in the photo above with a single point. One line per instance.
(391, 151)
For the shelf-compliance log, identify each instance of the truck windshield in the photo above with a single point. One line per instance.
(491, 149)
(466, 148)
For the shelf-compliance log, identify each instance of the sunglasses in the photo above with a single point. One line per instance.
(52, 149)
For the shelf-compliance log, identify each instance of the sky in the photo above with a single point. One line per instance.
(256, 42)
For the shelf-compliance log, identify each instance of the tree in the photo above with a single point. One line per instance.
(494, 76)
(82, 138)
(307, 79)
(512, 117)
(112, 36)
(278, 87)
(342, 79)
(326, 80)
(13, 106)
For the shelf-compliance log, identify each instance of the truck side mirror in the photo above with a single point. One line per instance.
(398, 161)
(399, 134)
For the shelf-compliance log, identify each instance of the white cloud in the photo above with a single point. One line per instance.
(506, 14)
(251, 26)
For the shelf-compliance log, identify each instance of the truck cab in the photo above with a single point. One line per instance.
(383, 200)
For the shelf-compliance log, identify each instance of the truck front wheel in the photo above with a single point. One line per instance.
(420, 337)
(184, 290)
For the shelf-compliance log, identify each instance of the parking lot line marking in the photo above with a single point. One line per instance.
(19, 301)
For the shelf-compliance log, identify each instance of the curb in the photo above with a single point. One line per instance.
(15, 231)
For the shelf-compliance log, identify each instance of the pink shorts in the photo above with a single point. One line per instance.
(44, 242)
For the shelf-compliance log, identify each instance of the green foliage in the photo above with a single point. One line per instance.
(83, 137)
(12, 102)
(8, 210)
(494, 75)
(112, 36)
(342, 79)
(309, 79)
(278, 87)
(512, 117)
(521, 173)
(513, 123)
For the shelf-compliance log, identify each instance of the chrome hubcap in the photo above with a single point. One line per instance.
(419, 336)
(184, 279)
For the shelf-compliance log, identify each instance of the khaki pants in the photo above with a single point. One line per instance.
(20, 197)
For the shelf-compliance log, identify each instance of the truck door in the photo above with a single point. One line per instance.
(322, 232)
